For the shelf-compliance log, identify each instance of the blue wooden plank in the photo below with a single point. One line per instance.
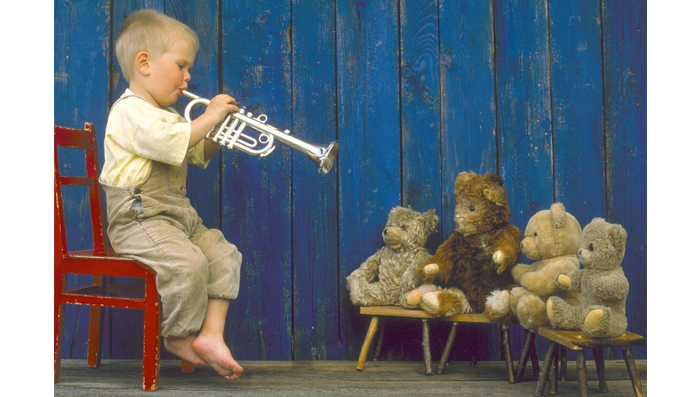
(369, 133)
(256, 192)
(524, 112)
(624, 28)
(420, 106)
(81, 94)
(315, 311)
(575, 35)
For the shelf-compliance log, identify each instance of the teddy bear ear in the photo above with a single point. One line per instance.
(431, 219)
(496, 193)
(558, 213)
(618, 236)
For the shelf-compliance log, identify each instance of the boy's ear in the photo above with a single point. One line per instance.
(141, 62)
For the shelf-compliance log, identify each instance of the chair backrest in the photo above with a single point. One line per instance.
(86, 140)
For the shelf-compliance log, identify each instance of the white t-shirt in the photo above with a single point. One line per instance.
(138, 133)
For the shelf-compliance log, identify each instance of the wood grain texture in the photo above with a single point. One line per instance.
(314, 115)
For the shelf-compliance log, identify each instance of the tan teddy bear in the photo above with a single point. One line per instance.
(551, 239)
(476, 258)
(386, 277)
(602, 283)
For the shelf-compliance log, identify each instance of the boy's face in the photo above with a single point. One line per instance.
(169, 73)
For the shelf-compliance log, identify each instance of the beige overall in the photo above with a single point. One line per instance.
(155, 224)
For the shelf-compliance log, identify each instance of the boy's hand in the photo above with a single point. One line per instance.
(219, 107)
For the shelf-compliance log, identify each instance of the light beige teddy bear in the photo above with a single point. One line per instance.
(551, 239)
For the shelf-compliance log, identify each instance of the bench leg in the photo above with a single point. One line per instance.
(380, 339)
(447, 348)
(562, 368)
(598, 353)
(372, 328)
(582, 380)
(506, 340)
(525, 354)
(554, 372)
(544, 373)
(633, 372)
(534, 359)
(187, 367)
(426, 347)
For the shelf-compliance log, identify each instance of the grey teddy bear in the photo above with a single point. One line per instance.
(387, 276)
(602, 284)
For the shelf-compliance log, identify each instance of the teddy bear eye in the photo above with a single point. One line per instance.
(403, 227)
(591, 247)
(471, 208)
(535, 234)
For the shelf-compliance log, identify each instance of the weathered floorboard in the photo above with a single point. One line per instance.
(307, 378)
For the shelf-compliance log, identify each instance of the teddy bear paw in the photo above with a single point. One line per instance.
(564, 281)
(413, 298)
(431, 270)
(594, 319)
(497, 307)
(500, 259)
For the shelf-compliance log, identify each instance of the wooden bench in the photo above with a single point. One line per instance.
(576, 341)
(398, 311)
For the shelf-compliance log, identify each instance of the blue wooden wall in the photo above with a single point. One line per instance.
(549, 94)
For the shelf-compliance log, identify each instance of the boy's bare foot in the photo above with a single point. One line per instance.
(215, 352)
(181, 347)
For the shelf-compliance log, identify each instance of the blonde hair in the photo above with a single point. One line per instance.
(150, 31)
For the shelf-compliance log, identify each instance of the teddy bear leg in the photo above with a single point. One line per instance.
(413, 298)
(562, 315)
(446, 302)
(497, 306)
(601, 322)
(531, 311)
(367, 294)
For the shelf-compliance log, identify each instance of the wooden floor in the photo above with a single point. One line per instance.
(311, 378)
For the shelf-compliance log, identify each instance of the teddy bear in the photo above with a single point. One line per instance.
(551, 239)
(474, 260)
(384, 278)
(602, 284)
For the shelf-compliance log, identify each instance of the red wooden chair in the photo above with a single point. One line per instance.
(100, 262)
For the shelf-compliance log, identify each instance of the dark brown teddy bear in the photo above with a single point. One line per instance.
(473, 261)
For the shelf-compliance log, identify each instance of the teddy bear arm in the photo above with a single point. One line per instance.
(520, 270)
(508, 243)
(368, 270)
(542, 280)
(441, 258)
(409, 279)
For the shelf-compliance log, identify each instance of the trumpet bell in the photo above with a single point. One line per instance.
(326, 160)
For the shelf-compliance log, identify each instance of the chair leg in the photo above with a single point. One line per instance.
(633, 372)
(151, 336)
(506, 340)
(544, 373)
(372, 328)
(59, 325)
(426, 347)
(525, 353)
(582, 377)
(447, 348)
(380, 340)
(94, 327)
(598, 353)
(554, 372)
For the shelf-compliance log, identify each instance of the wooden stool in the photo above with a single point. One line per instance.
(397, 311)
(575, 340)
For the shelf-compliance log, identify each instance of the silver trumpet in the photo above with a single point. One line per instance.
(230, 134)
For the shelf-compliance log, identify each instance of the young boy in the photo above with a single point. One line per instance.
(147, 146)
